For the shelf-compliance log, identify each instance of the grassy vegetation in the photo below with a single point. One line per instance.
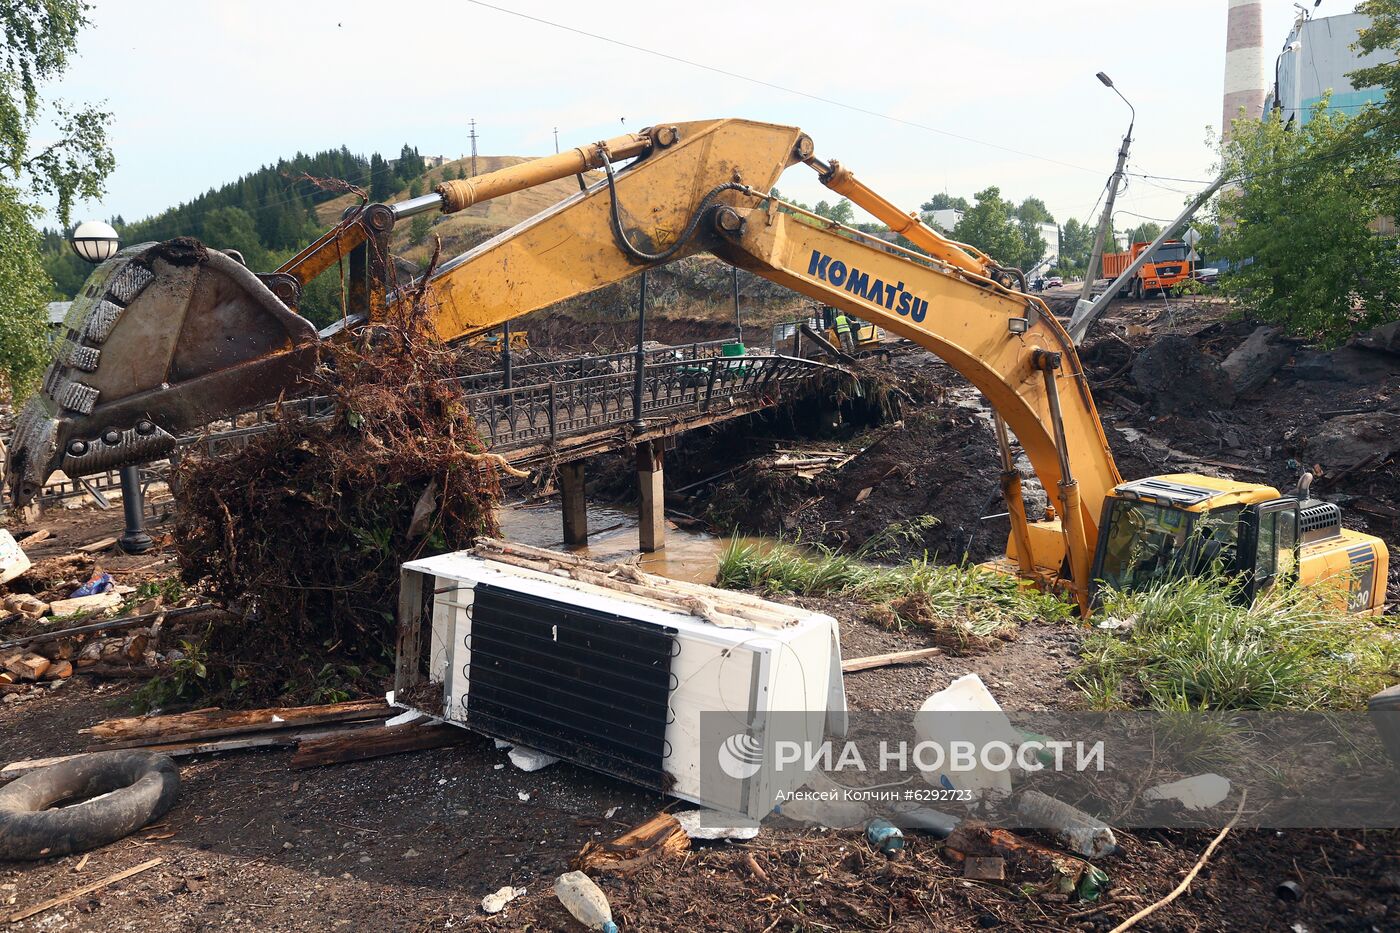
(1193, 644)
(964, 606)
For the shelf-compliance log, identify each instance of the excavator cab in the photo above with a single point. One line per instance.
(1170, 527)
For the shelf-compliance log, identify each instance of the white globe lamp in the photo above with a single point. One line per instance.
(94, 240)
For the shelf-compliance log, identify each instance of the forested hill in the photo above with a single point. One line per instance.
(267, 215)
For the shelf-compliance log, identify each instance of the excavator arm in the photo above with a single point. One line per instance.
(166, 338)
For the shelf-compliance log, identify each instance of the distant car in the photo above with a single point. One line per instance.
(1208, 276)
(1054, 281)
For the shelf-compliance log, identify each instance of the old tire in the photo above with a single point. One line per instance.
(134, 788)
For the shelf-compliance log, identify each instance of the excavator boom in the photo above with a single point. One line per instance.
(166, 338)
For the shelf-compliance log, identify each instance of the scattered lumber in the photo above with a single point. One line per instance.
(101, 544)
(722, 607)
(211, 723)
(660, 837)
(26, 604)
(26, 665)
(238, 743)
(111, 625)
(67, 607)
(851, 665)
(62, 899)
(376, 742)
(29, 540)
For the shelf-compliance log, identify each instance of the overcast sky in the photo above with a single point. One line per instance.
(202, 92)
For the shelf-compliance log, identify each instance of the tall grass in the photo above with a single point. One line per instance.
(1194, 644)
(969, 604)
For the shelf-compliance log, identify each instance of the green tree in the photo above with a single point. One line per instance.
(991, 226)
(232, 228)
(1076, 239)
(1145, 232)
(943, 201)
(40, 38)
(381, 180)
(841, 212)
(410, 164)
(1302, 212)
(1378, 127)
(418, 229)
(24, 292)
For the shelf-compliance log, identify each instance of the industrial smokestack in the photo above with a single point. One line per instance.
(1246, 83)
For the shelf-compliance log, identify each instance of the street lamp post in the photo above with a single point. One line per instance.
(1113, 183)
(96, 242)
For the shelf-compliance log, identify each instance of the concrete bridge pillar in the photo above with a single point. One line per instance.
(574, 502)
(651, 525)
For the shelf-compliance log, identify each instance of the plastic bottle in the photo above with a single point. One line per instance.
(885, 836)
(582, 898)
(1074, 829)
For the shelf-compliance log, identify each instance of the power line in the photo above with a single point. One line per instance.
(780, 87)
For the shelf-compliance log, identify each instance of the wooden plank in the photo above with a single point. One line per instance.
(885, 660)
(207, 724)
(361, 744)
(99, 545)
(110, 625)
(276, 739)
(79, 892)
(408, 670)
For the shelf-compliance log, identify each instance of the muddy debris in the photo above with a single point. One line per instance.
(304, 530)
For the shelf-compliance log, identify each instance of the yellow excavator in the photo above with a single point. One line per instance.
(167, 337)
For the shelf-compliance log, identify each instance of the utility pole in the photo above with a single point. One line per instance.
(473, 138)
(1113, 183)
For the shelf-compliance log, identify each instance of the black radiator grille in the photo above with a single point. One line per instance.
(587, 686)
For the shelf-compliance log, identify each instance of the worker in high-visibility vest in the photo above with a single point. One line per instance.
(843, 331)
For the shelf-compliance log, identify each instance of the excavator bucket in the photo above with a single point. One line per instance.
(162, 339)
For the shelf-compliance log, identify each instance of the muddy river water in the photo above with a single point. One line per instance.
(690, 554)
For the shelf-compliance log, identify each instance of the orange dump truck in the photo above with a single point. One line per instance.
(1168, 268)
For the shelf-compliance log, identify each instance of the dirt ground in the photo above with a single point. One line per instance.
(412, 842)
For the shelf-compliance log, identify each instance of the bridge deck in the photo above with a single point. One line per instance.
(562, 410)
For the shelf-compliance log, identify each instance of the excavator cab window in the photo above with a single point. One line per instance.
(1142, 542)
(1271, 543)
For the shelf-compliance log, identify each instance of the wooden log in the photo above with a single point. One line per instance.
(660, 837)
(361, 744)
(27, 605)
(115, 624)
(59, 670)
(26, 665)
(205, 724)
(62, 899)
(885, 660)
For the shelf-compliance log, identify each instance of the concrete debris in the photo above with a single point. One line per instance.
(711, 825)
(495, 903)
(1255, 361)
(13, 560)
(528, 759)
(1194, 793)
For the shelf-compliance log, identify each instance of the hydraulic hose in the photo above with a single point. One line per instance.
(686, 235)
